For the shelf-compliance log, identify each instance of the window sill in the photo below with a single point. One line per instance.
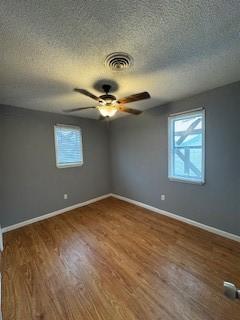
(69, 165)
(186, 181)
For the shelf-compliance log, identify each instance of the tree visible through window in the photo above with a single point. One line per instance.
(186, 146)
(68, 145)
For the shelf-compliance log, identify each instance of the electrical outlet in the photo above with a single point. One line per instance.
(65, 196)
(162, 197)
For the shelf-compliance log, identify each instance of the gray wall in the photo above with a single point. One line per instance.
(139, 149)
(31, 185)
(135, 149)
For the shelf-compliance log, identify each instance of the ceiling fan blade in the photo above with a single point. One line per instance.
(129, 110)
(135, 97)
(78, 109)
(87, 93)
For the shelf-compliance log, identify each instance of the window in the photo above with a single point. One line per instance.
(68, 146)
(187, 146)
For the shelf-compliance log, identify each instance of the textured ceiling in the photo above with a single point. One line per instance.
(179, 47)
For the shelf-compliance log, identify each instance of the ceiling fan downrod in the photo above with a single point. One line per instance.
(106, 88)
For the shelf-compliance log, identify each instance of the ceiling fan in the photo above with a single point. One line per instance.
(108, 104)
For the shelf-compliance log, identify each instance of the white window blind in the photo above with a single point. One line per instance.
(187, 146)
(68, 145)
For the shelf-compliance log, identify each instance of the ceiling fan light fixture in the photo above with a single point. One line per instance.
(107, 111)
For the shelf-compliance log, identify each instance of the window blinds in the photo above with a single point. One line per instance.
(68, 145)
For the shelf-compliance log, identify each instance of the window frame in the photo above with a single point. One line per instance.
(178, 116)
(72, 165)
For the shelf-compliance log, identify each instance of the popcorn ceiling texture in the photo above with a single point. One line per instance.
(179, 47)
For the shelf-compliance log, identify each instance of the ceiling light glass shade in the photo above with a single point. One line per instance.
(107, 111)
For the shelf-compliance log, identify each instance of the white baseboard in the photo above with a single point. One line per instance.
(1, 249)
(1, 242)
(140, 204)
(52, 214)
(180, 218)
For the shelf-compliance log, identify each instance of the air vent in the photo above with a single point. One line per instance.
(118, 61)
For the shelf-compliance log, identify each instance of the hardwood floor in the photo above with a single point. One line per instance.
(112, 260)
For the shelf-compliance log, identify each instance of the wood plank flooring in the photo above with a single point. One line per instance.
(115, 261)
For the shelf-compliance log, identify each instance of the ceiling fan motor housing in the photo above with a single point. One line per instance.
(108, 98)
